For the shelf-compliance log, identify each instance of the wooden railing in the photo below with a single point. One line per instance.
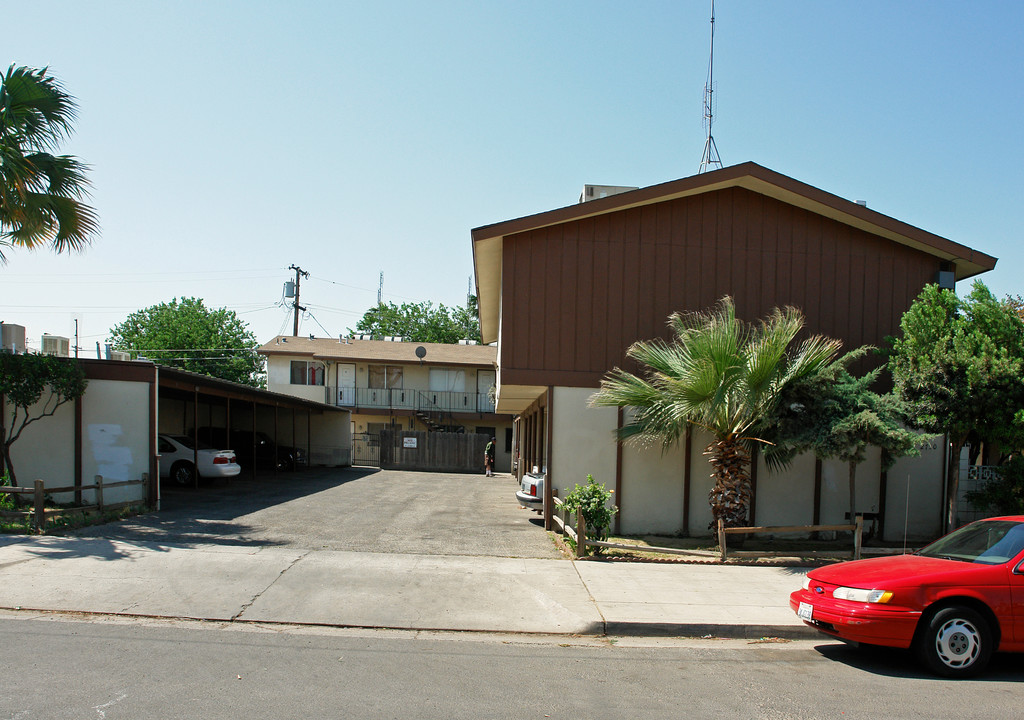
(857, 528)
(38, 491)
(577, 530)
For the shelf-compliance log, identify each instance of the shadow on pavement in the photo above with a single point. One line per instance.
(896, 663)
(208, 515)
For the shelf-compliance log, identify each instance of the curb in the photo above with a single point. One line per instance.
(625, 628)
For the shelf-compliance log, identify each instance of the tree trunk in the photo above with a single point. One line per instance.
(853, 490)
(730, 496)
(8, 465)
(956, 446)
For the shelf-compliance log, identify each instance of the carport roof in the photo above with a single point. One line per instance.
(182, 380)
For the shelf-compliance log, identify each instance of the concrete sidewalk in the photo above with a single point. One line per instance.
(402, 591)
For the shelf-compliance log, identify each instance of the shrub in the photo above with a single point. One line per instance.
(592, 501)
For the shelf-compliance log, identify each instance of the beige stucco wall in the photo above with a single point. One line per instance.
(46, 449)
(116, 436)
(923, 477)
(414, 377)
(785, 497)
(115, 443)
(583, 441)
(330, 441)
(652, 479)
(652, 490)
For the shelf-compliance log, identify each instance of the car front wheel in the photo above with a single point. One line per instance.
(183, 474)
(957, 642)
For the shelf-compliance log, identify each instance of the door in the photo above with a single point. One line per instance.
(347, 384)
(485, 380)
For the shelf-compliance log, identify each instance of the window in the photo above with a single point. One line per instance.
(384, 376)
(447, 380)
(307, 373)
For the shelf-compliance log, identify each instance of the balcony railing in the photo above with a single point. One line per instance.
(408, 399)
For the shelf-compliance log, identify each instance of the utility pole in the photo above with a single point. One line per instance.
(299, 273)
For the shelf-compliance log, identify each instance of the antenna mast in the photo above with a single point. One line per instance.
(380, 289)
(710, 158)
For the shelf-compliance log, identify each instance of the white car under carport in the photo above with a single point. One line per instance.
(178, 460)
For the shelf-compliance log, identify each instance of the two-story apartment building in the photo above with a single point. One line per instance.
(395, 384)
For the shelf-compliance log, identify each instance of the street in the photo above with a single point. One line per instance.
(56, 668)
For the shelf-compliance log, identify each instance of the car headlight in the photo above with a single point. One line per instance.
(864, 596)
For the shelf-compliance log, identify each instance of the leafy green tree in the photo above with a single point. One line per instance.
(720, 374)
(422, 322)
(190, 336)
(41, 194)
(25, 380)
(959, 366)
(835, 414)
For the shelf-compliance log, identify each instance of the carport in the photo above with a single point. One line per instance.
(189, 401)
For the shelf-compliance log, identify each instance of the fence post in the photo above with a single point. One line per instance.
(556, 509)
(40, 503)
(721, 537)
(857, 537)
(99, 492)
(581, 535)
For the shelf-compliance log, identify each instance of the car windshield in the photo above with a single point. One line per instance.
(987, 541)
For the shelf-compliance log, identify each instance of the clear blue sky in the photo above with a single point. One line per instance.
(230, 140)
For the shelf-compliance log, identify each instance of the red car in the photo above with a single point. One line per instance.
(954, 602)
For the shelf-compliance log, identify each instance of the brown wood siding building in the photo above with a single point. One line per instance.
(577, 294)
(565, 293)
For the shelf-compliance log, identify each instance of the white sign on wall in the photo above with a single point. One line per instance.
(409, 442)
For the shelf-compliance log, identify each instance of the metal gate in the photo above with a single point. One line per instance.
(366, 449)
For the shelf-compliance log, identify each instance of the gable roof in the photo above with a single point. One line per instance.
(380, 350)
(487, 240)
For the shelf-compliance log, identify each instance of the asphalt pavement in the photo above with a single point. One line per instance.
(233, 559)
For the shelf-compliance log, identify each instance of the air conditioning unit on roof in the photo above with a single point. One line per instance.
(56, 345)
(12, 338)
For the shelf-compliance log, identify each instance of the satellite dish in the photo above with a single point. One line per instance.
(421, 352)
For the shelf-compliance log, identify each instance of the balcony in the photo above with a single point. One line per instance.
(414, 400)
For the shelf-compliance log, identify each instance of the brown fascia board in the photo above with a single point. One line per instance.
(750, 176)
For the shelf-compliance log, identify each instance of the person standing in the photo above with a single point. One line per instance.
(489, 458)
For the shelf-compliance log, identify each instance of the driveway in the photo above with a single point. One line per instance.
(356, 509)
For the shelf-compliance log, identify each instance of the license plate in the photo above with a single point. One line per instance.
(806, 611)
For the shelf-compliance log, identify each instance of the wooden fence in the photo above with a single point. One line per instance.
(437, 451)
(577, 530)
(38, 491)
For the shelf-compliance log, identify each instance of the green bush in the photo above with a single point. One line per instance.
(1003, 495)
(6, 499)
(592, 501)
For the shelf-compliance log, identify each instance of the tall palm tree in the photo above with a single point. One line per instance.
(41, 194)
(720, 374)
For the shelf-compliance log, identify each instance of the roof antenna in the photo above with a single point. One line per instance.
(710, 158)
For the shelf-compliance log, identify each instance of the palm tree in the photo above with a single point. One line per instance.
(40, 193)
(720, 374)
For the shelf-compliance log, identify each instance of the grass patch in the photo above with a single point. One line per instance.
(68, 519)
